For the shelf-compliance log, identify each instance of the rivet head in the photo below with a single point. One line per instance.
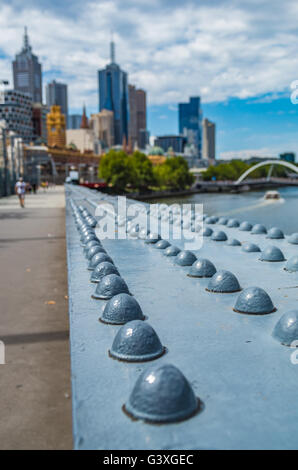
(110, 285)
(275, 233)
(223, 220)
(97, 259)
(258, 229)
(90, 244)
(121, 309)
(152, 238)
(87, 238)
(172, 251)
(207, 232)
(233, 242)
(134, 232)
(255, 301)
(286, 329)
(232, 223)
(245, 227)
(136, 341)
(162, 245)
(185, 258)
(202, 268)
(211, 220)
(219, 236)
(162, 394)
(143, 234)
(293, 239)
(223, 282)
(250, 248)
(93, 250)
(103, 269)
(292, 265)
(272, 253)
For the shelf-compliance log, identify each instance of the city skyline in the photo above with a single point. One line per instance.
(235, 64)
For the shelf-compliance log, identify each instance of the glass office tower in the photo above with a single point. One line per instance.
(190, 123)
(113, 96)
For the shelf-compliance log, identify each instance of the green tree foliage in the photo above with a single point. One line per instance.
(173, 174)
(136, 172)
(234, 169)
(141, 171)
(114, 169)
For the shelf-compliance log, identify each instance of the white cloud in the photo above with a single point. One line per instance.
(213, 49)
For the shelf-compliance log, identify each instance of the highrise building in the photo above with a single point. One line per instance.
(137, 115)
(56, 94)
(190, 123)
(174, 142)
(39, 119)
(102, 125)
(16, 111)
(113, 96)
(74, 121)
(27, 72)
(208, 140)
(56, 128)
(84, 120)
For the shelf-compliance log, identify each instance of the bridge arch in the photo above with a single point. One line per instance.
(268, 162)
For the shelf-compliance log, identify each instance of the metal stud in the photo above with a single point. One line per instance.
(292, 265)
(219, 236)
(103, 269)
(272, 253)
(136, 341)
(286, 329)
(254, 301)
(162, 395)
(121, 309)
(110, 285)
(185, 258)
(275, 233)
(202, 268)
(223, 282)
(250, 248)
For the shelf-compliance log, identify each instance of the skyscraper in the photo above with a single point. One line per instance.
(27, 72)
(137, 115)
(56, 94)
(190, 123)
(16, 111)
(113, 96)
(208, 140)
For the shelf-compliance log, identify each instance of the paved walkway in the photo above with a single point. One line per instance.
(35, 405)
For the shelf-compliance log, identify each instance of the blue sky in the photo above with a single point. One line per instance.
(239, 56)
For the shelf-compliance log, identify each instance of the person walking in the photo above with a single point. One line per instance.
(20, 189)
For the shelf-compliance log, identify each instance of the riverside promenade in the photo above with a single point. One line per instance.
(35, 402)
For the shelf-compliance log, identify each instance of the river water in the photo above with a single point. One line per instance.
(249, 206)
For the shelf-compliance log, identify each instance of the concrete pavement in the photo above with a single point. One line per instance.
(35, 404)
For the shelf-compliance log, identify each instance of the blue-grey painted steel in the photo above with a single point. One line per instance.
(275, 233)
(172, 251)
(136, 341)
(292, 264)
(162, 245)
(272, 254)
(293, 239)
(110, 285)
(286, 329)
(202, 268)
(121, 309)
(254, 300)
(244, 377)
(185, 258)
(233, 242)
(250, 248)
(258, 229)
(245, 227)
(223, 282)
(103, 269)
(219, 236)
(162, 394)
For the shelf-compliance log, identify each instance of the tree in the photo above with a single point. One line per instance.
(174, 173)
(115, 170)
(141, 171)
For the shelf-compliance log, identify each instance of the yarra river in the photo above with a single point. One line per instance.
(250, 206)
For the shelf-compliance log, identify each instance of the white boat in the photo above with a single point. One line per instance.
(272, 195)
